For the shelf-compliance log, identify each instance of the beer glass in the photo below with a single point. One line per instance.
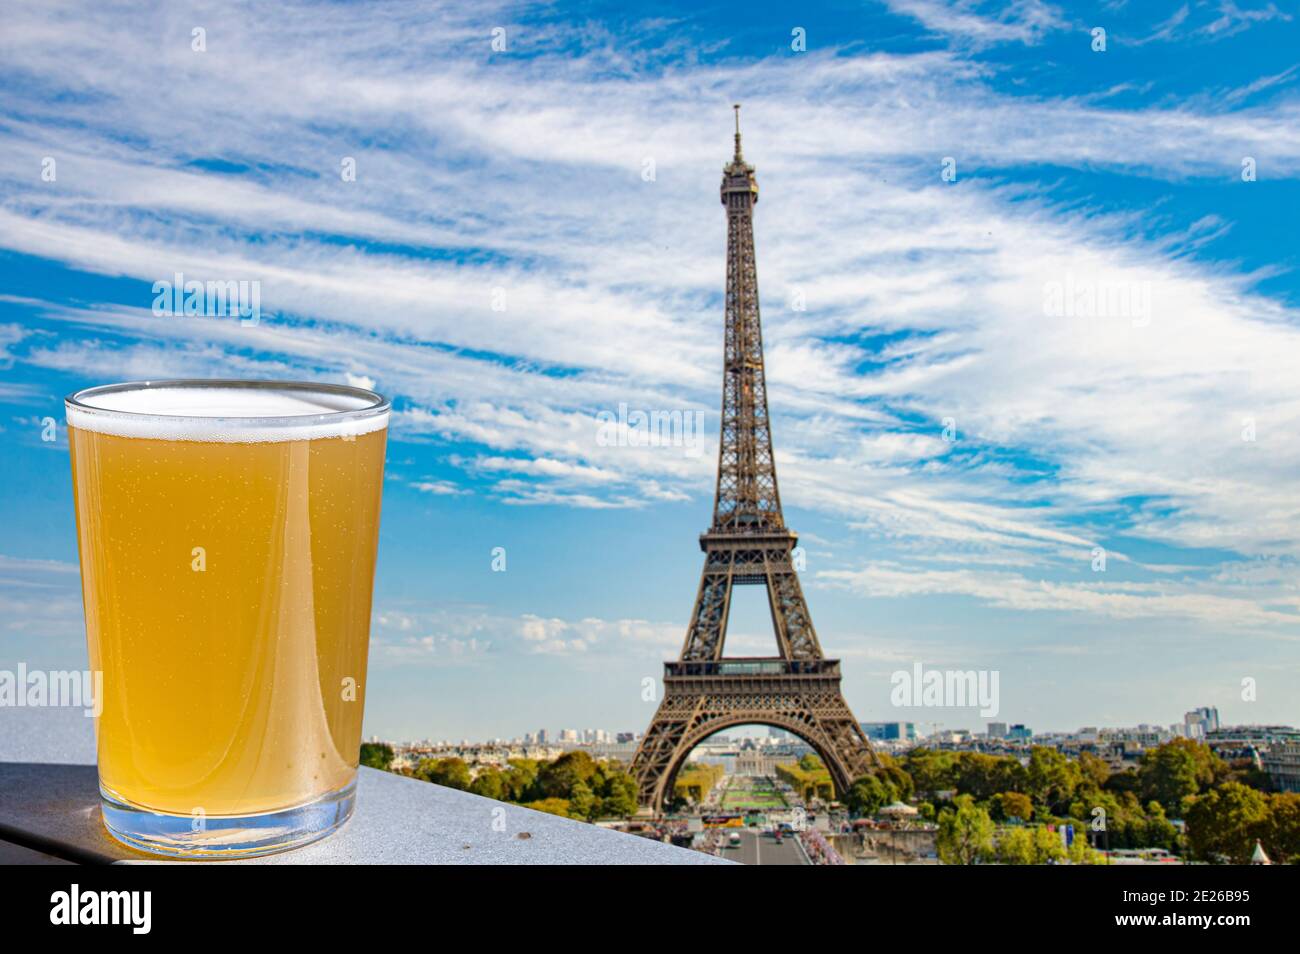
(227, 532)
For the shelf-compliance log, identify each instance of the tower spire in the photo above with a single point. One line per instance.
(738, 157)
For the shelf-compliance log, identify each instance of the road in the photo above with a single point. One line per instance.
(760, 848)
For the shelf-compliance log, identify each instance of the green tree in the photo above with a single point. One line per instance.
(620, 796)
(451, 772)
(1038, 846)
(1016, 805)
(378, 755)
(1281, 834)
(1048, 847)
(965, 836)
(1158, 831)
(520, 777)
(1081, 853)
(983, 776)
(1016, 847)
(490, 783)
(1125, 781)
(1176, 770)
(552, 806)
(1051, 778)
(1222, 824)
(557, 779)
(1094, 771)
(583, 803)
(893, 775)
(931, 770)
(867, 795)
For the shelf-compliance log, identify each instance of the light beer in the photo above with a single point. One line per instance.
(227, 534)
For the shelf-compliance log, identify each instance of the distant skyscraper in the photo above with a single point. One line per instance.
(997, 730)
(889, 731)
(1201, 721)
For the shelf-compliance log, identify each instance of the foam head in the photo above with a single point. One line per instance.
(228, 412)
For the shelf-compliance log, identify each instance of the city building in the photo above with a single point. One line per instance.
(1200, 722)
(997, 730)
(1281, 761)
(889, 731)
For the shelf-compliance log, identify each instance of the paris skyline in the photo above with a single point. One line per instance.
(531, 239)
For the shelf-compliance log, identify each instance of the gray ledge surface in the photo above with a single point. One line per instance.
(49, 803)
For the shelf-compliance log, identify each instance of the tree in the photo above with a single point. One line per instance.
(1121, 782)
(891, 773)
(1222, 824)
(552, 806)
(1281, 835)
(1016, 847)
(965, 836)
(1051, 778)
(983, 776)
(1039, 846)
(519, 778)
(556, 779)
(811, 763)
(1048, 846)
(451, 772)
(1016, 805)
(1081, 853)
(867, 795)
(1157, 830)
(931, 770)
(620, 796)
(1094, 771)
(582, 802)
(377, 755)
(490, 783)
(1176, 770)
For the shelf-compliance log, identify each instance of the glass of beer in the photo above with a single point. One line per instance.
(227, 532)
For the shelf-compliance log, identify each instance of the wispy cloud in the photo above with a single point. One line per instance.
(984, 22)
(503, 268)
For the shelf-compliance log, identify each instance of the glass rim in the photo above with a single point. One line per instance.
(377, 403)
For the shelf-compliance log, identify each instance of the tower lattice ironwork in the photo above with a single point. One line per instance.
(748, 543)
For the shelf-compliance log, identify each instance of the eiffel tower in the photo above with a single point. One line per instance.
(799, 689)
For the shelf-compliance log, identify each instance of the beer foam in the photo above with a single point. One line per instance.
(224, 414)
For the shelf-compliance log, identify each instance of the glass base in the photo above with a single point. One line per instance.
(226, 836)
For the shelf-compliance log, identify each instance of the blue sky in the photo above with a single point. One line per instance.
(518, 178)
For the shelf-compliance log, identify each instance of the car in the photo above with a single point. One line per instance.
(733, 839)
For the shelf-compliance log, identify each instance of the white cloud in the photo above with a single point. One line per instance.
(521, 175)
(982, 22)
(1197, 601)
(459, 634)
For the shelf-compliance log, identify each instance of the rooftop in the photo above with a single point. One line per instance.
(49, 811)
